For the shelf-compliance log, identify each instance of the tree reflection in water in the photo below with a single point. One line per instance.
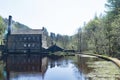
(37, 67)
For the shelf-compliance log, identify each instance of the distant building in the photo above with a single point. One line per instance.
(54, 48)
(25, 41)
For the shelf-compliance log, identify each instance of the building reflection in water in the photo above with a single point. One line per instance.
(56, 61)
(25, 64)
(37, 67)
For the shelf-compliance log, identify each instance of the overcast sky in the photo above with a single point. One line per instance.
(58, 16)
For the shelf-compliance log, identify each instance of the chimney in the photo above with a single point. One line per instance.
(9, 24)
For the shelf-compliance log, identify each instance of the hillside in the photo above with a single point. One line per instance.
(16, 25)
(4, 24)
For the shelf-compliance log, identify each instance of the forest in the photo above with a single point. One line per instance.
(100, 35)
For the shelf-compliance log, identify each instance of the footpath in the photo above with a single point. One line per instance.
(114, 60)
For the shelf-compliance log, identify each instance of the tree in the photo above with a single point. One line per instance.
(115, 37)
(79, 39)
(62, 41)
(112, 14)
(94, 36)
(2, 26)
(113, 8)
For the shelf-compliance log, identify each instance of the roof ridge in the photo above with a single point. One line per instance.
(27, 31)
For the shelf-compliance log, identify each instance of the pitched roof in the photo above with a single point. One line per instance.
(54, 48)
(27, 31)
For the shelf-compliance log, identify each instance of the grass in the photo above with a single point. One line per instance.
(106, 57)
(102, 71)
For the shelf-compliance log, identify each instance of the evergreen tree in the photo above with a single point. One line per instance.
(2, 26)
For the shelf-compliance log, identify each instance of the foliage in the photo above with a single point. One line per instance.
(62, 41)
(2, 26)
(94, 35)
(101, 34)
(15, 26)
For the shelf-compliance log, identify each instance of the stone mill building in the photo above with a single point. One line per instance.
(25, 41)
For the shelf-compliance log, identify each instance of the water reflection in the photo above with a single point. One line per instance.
(37, 67)
(25, 67)
(82, 64)
(51, 67)
(62, 69)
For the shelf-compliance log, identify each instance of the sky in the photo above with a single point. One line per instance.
(58, 16)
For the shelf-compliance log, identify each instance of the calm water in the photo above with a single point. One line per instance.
(36, 67)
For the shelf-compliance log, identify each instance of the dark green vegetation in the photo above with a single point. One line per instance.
(3, 27)
(100, 35)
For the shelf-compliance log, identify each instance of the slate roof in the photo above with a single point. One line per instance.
(27, 31)
(54, 48)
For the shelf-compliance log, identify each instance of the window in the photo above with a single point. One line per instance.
(33, 38)
(25, 38)
(29, 38)
(25, 45)
(38, 38)
(29, 45)
(20, 39)
(33, 45)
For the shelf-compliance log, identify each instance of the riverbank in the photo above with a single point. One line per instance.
(114, 60)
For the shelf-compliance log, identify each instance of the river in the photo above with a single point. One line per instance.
(37, 67)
